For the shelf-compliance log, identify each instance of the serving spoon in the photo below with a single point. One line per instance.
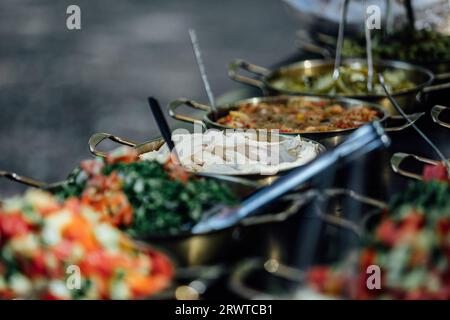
(201, 67)
(420, 132)
(364, 140)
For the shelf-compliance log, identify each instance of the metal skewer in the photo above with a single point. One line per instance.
(340, 42)
(423, 135)
(201, 67)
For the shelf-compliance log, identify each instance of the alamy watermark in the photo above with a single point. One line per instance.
(73, 20)
(373, 281)
(74, 277)
(373, 17)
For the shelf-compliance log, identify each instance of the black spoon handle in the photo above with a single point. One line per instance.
(161, 122)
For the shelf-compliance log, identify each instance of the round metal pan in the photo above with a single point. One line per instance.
(329, 138)
(410, 100)
(154, 145)
(201, 249)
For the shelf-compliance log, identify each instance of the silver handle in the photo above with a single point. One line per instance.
(235, 65)
(21, 179)
(398, 158)
(412, 117)
(174, 105)
(435, 113)
(97, 138)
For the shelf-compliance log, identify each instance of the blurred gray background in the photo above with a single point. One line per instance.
(57, 87)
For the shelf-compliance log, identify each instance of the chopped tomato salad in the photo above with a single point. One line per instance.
(54, 250)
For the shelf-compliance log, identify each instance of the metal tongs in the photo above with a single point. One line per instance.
(362, 141)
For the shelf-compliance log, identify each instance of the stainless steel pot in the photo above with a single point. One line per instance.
(262, 277)
(329, 139)
(251, 181)
(410, 100)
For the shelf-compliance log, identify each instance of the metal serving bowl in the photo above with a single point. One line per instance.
(410, 100)
(187, 249)
(327, 138)
(251, 179)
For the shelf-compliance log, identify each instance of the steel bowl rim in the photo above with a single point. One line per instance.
(337, 99)
(319, 146)
(396, 64)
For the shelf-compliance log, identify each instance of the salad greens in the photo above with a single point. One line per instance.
(161, 203)
(421, 46)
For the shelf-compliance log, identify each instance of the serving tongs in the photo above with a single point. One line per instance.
(360, 142)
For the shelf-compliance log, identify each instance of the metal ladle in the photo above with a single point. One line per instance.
(201, 67)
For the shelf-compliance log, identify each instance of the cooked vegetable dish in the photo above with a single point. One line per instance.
(46, 244)
(422, 46)
(351, 82)
(299, 116)
(145, 198)
(410, 245)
